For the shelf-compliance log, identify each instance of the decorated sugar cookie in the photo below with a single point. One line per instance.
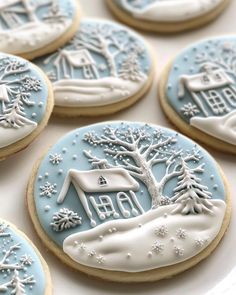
(128, 201)
(198, 92)
(105, 68)
(167, 15)
(22, 269)
(26, 102)
(31, 28)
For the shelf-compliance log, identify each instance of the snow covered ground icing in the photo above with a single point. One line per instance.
(155, 239)
(12, 135)
(31, 36)
(223, 127)
(79, 92)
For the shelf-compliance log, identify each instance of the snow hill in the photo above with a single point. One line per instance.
(223, 127)
(85, 93)
(134, 244)
(12, 135)
(31, 36)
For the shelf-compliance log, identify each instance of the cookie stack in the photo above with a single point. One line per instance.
(119, 200)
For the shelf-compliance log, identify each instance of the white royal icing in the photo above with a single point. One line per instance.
(104, 64)
(214, 88)
(171, 10)
(144, 249)
(129, 197)
(23, 37)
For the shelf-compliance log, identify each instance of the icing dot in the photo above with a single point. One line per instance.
(128, 255)
(165, 215)
(47, 208)
(140, 225)
(176, 67)
(64, 150)
(60, 171)
(100, 238)
(34, 115)
(215, 187)
(40, 104)
(75, 243)
(74, 142)
(74, 157)
(46, 175)
(150, 253)
(40, 177)
(212, 176)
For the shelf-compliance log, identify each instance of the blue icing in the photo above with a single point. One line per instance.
(22, 255)
(212, 55)
(24, 93)
(135, 4)
(90, 47)
(65, 8)
(68, 153)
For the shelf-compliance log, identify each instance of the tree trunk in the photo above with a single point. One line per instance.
(30, 10)
(111, 63)
(153, 187)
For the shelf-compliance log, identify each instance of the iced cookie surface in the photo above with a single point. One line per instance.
(32, 28)
(104, 68)
(129, 198)
(198, 92)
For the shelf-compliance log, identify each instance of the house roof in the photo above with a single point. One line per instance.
(204, 81)
(80, 57)
(6, 4)
(117, 179)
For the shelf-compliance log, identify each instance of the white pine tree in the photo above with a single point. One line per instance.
(130, 68)
(191, 196)
(14, 115)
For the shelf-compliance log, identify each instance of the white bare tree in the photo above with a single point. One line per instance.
(138, 150)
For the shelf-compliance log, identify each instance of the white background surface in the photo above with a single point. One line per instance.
(14, 174)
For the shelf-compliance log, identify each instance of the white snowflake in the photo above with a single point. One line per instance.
(92, 253)
(26, 259)
(56, 159)
(161, 231)
(102, 67)
(100, 259)
(181, 233)
(190, 110)
(157, 247)
(82, 246)
(178, 251)
(200, 242)
(65, 219)
(48, 189)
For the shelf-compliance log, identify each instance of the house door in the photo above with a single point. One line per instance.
(125, 205)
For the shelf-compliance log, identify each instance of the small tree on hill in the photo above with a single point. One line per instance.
(191, 196)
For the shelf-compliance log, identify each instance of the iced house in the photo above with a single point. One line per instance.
(75, 59)
(212, 90)
(103, 182)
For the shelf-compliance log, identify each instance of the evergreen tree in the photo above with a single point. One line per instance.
(130, 68)
(191, 196)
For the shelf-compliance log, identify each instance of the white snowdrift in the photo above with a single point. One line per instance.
(223, 128)
(12, 135)
(31, 36)
(86, 93)
(125, 245)
(172, 10)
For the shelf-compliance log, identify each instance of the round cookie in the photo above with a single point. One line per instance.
(198, 92)
(128, 202)
(105, 68)
(167, 16)
(26, 103)
(22, 268)
(31, 28)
